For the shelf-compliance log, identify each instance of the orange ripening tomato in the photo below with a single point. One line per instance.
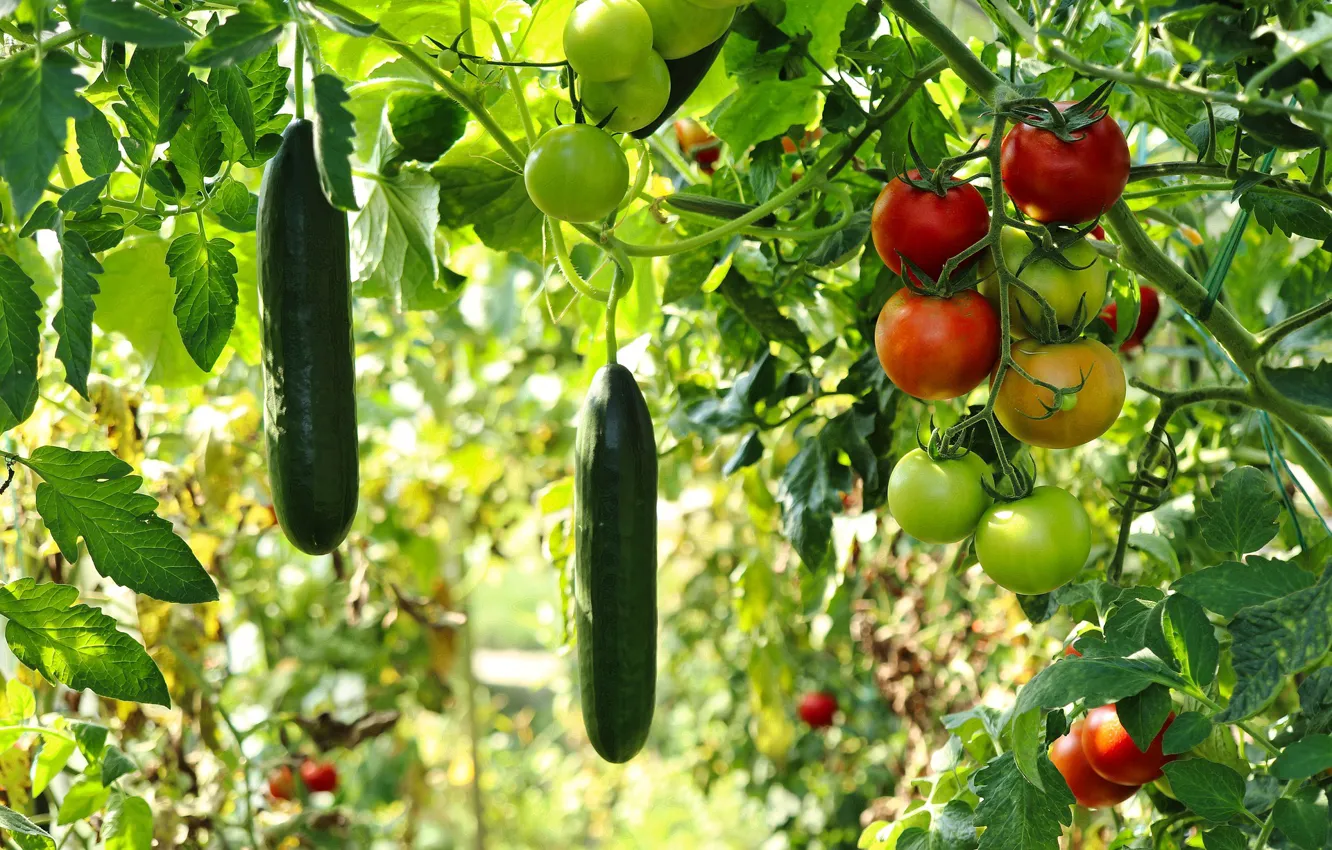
(1023, 407)
(1148, 311)
(1089, 788)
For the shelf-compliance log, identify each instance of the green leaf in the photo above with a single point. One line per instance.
(1144, 713)
(1303, 823)
(760, 312)
(1274, 641)
(77, 646)
(1188, 731)
(1243, 515)
(425, 124)
(335, 135)
(22, 828)
(206, 294)
(929, 130)
(808, 501)
(1310, 386)
(83, 196)
(128, 825)
(1211, 790)
(823, 22)
(116, 764)
(20, 703)
(1232, 586)
(1027, 739)
(81, 800)
(44, 217)
(37, 99)
(97, 144)
(765, 110)
(229, 91)
(126, 22)
(748, 453)
(91, 739)
(1225, 838)
(491, 198)
(254, 28)
(1180, 630)
(1316, 699)
(393, 235)
(158, 93)
(1311, 45)
(20, 343)
(1097, 680)
(843, 246)
(93, 495)
(1016, 813)
(73, 322)
(1292, 215)
(196, 149)
(55, 749)
(102, 233)
(1304, 758)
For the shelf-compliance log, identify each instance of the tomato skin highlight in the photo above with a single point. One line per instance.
(1052, 180)
(1148, 311)
(817, 709)
(1089, 788)
(576, 173)
(937, 348)
(281, 784)
(1035, 544)
(606, 40)
(1082, 417)
(1112, 753)
(938, 501)
(926, 229)
(319, 775)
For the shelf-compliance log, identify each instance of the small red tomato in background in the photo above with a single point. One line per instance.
(1147, 314)
(817, 709)
(1112, 753)
(937, 348)
(1053, 180)
(698, 144)
(319, 775)
(927, 229)
(1088, 787)
(281, 784)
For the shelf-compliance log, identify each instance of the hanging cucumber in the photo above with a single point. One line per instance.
(615, 570)
(306, 323)
(686, 75)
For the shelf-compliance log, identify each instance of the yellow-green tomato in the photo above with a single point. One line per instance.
(681, 28)
(576, 173)
(607, 40)
(938, 501)
(1035, 544)
(1076, 295)
(636, 100)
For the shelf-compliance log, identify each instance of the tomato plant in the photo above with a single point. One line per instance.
(1086, 399)
(926, 228)
(607, 40)
(1034, 544)
(576, 173)
(1112, 753)
(938, 501)
(282, 784)
(818, 709)
(1075, 291)
(1089, 788)
(937, 348)
(1148, 310)
(1073, 179)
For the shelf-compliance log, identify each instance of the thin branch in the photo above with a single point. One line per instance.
(1268, 339)
(1204, 169)
(882, 117)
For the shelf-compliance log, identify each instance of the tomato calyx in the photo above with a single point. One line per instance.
(940, 446)
(1043, 114)
(949, 283)
(1050, 245)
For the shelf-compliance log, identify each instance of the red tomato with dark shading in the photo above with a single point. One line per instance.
(927, 229)
(817, 709)
(1089, 788)
(319, 775)
(1147, 314)
(1053, 180)
(937, 348)
(281, 784)
(1112, 753)
(698, 144)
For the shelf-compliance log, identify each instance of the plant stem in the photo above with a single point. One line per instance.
(1184, 189)
(616, 290)
(877, 121)
(677, 162)
(511, 76)
(1204, 169)
(298, 70)
(965, 63)
(1268, 339)
(567, 268)
(53, 43)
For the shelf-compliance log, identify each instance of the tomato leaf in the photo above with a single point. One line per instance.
(1016, 813)
(1181, 631)
(1225, 838)
(254, 28)
(124, 21)
(116, 764)
(81, 800)
(1316, 700)
(37, 99)
(1143, 714)
(24, 831)
(490, 197)
(1304, 758)
(1188, 731)
(20, 343)
(808, 501)
(1292, 215)
(1242, 516)
(760, 312)
(128, 824)
(1310, 386)
(1211, 790)
(1231, 586)
(334, 140)
(1096, 680)
(1303, 823)
(73, 322)
(206, 294)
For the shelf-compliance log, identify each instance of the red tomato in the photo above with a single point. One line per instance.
(810, 137)
(1053, 180)
(1088, 788)
(926, 229)
(698, 144)
(319, 775)
(281, 784)
(1069, 650)
(1098, 233)
(1147, 313)
(1112, 753)
(817, 709)
(937, 348)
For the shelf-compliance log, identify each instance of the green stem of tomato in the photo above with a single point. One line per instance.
(511, 77)
(1206, 169)
(298, 70)
(613, 301)
(582, 287)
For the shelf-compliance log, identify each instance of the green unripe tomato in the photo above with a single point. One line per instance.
(636, 100)
(681, 28)
(607, 40)
(576, 173)
(1065, 289)
(1036, 544)
(938, 501)
(448, 60)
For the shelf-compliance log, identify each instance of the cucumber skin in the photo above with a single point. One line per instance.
(309, 373)
(687, 73)
(615, 569)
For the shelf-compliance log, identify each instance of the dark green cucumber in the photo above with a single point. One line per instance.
(306, 323)
(686, 74)
(615, 568)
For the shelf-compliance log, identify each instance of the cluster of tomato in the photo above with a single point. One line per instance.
(936, 343)
(315, 775)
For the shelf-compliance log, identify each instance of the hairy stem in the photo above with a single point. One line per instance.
(1204, 169)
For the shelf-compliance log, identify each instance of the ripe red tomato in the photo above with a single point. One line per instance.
(937, 348)
(1053, 180)
(1147, 313)
(281, 784)
(817, 709)
(698, 144)
(1021, 406)
(1088, 787)
(319, 775)
(1112, 753)
(926, 229)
